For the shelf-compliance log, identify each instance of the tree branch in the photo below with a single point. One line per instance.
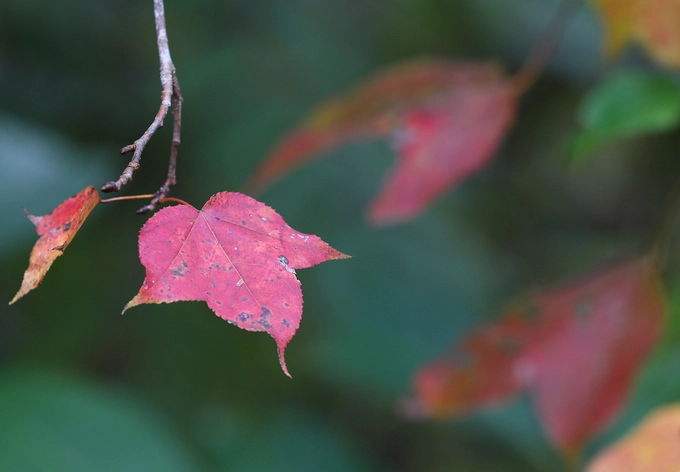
(543, 50)
(170, 97)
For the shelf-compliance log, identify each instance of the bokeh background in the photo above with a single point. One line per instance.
(173, 387)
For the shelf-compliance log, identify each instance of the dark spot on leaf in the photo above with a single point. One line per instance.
(243, 317)
(286, 305)
(177, 272)
(169, 295)
(213, 284)
(184, 264)
(264, 322)
(67, 226)
(218, 302)
(217, 218)
(285, 323)
(244, 299)
(243, 222)
(208, 293)
(283, 260)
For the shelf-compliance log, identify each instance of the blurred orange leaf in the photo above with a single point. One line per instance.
(576, 348)
(654, 446)
(446, 120)
(56, 231)
(654, 24)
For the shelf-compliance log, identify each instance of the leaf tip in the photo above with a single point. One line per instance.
(282, 361)
(34, 219)
(382, 213)
(339, 255)
(130, 304)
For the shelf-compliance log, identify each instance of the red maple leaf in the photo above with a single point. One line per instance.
(56, 231)
(237, 255)
(446, 118)
(576, 348)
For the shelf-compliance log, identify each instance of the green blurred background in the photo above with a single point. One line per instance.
(173, 387)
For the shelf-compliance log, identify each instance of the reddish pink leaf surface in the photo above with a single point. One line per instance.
(654, 446)
(448, 119)
(577, 350)
(237, 255)
(441, 144)
(478, 372)
(56, 231)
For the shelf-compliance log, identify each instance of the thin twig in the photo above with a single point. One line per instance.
(662, 245)
(176, 200)
(127, 197)
(543, 50)
(170, 96)
(174, 149)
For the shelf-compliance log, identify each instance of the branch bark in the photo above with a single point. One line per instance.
(171, 96)
(545, 47)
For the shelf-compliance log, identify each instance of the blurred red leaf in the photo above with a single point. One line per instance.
(478, 372)
(576, 348)
(654, 24)
(442, 143)
(447, 119)
(237, 255)
(654, 446)
(56, 231)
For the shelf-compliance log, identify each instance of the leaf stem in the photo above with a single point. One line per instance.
(573, 460)
(662, 245)
(544, 48)
(127, 197)
(141, 197)
(176, 200)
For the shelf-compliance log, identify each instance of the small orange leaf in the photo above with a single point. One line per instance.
(654, 24)
(447, 119)
(654, 446)
(576, 349)
(56, 231)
